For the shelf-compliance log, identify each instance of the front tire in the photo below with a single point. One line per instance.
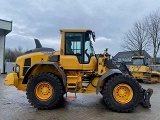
(45, 91)
(122, 93)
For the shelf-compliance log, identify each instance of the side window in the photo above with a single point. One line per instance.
(87, 52)
(88, 48)
(74, 45)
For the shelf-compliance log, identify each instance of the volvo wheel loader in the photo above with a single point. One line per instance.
(76, 68)
(142, 71)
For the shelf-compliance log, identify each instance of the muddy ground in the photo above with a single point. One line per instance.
(14, 106)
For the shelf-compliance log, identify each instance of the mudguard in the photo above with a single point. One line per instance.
(104, 76)
(55, 64)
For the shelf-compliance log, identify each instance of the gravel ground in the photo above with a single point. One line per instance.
(14, 106)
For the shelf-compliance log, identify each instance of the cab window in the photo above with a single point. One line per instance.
(74, 45)
(88, 49)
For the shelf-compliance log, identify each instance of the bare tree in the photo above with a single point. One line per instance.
(136, 38)
(12, 54)
(153, 26)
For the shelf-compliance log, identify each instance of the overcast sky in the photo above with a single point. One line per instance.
(42, 19)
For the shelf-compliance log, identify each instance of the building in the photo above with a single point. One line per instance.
(126, 56)
(5, 28)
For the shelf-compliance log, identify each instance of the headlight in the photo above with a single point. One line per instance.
(17, 68)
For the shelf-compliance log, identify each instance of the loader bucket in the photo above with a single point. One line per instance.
(146, 94)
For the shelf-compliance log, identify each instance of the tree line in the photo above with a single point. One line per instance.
(12, 54)
(144, 35)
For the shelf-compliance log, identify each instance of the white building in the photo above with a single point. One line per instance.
(5, 28)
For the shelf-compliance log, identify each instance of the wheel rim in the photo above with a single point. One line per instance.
(123, 93)
(44, 91)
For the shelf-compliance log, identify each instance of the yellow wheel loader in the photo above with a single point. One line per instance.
(75, 68)
(143, 72)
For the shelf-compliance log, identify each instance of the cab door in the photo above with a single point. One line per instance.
(89, 59)
(73, 51)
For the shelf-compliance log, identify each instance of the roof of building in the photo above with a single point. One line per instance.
(127, 54)
(5, 26)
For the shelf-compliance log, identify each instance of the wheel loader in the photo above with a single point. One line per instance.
(142, 71)
(75, 68)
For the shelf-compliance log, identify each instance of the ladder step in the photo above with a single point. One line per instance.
(72, 76)
(71, 86)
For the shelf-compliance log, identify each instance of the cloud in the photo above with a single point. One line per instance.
(42, 20)
(102, 43)
(27, 42)
(52, 43)
(98, 39)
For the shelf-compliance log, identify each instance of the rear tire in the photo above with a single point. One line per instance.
(45, 91)
(122, 93)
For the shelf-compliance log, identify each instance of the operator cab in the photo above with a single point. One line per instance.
(77, 50)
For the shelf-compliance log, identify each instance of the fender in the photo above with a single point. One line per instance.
(104, 76)
(25, 80)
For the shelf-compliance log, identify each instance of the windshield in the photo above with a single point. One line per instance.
(138, 61)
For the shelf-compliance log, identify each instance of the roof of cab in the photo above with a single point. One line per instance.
(74, 30)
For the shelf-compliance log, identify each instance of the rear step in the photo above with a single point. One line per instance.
(72, 86)
(71, 97)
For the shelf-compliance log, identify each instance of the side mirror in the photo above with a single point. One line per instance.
(94, 36)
